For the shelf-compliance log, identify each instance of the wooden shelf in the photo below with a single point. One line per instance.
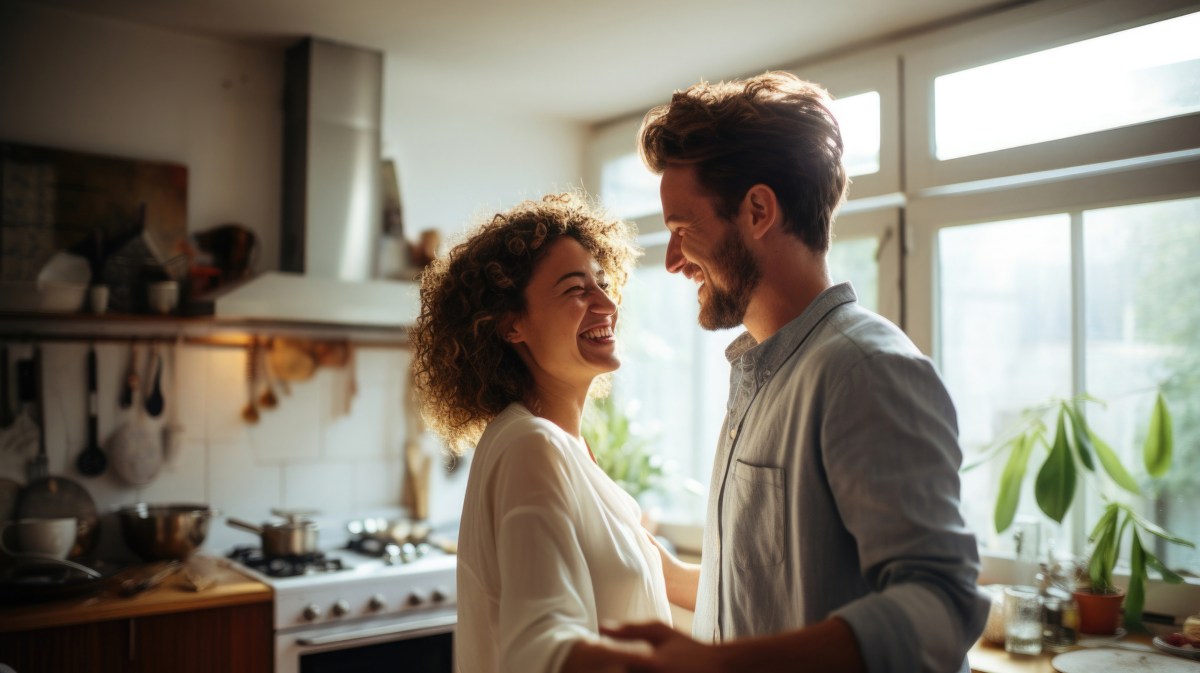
(194, 330)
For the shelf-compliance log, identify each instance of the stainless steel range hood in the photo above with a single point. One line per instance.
(332, 212)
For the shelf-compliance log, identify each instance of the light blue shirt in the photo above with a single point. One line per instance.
(835, 492)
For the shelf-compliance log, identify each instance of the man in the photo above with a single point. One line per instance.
(834, 539)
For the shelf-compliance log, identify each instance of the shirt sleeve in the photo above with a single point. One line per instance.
(547, 600)
(892, 458)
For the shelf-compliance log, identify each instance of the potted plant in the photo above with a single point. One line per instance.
(1077, 449)
(624, 455)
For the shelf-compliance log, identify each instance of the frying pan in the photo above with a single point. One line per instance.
(55, 497)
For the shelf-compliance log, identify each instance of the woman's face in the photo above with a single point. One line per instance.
(566, 333)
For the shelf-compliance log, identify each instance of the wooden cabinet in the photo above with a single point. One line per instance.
(235, 639)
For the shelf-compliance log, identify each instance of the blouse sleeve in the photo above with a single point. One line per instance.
(546, 595)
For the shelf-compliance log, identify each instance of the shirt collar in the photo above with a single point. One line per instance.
(747, 353)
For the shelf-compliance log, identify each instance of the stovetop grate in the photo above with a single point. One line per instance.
(285, 566)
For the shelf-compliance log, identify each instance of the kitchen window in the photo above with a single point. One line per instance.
(1044, 264)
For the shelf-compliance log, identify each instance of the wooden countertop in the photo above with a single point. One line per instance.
(173, 595)
(985, 657)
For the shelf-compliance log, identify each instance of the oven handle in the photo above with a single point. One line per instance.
(366, 634)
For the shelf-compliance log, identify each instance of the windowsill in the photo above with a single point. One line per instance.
(1176, 601)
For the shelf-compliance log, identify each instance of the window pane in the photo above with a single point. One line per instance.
(1143, 333)
(1004, 293)
(853, 259)
(628, 189)
(858, 117)
(1137, 75)
(676, 375)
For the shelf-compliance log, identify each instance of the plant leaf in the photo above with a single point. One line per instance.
(1168, 575)
(1083, 444)
(1055, 485)
(1135, 595)
(1010, 483)
(1155, 529)
(1159, 440)
(1098, 574)
(1112, 465)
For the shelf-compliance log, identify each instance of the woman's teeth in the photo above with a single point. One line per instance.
(598, 333)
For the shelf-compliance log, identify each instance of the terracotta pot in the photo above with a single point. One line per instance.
(1099, 614)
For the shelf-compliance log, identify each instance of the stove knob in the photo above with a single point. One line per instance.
(378, 602)
(415, 599)
(340, 608)
(438, 595)
(312, 612)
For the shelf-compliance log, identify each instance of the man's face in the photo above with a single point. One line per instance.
(707, 249)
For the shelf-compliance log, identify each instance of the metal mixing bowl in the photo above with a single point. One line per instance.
(163, 532)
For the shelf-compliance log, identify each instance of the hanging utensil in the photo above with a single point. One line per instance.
(7, 418)
(173, 430)
(131, 379)
(39, 467)
(267, 400)
(59, 497)
(250, 411)
(134, 457)
(92, 460)
(155, 401)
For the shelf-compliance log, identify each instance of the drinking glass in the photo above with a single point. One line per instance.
(1022, 620)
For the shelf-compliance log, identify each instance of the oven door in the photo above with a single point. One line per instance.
(421, 643)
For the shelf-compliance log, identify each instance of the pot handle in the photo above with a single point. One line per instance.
(244, 525)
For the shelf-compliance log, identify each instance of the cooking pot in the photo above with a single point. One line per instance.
(297, 536)
(164, 532)
(390, 531)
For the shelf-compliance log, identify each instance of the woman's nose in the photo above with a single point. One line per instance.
(603, 304)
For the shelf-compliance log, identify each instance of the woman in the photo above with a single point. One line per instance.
(517, 323)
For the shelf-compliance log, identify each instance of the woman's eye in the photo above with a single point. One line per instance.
(575, 289)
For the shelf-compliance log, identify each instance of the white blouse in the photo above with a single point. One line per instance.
(549, 547)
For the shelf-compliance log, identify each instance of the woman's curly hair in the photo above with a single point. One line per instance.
(465, 370)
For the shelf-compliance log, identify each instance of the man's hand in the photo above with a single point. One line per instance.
(673, 651)
(588, 657)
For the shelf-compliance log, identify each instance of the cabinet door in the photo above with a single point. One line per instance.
(232, 640)
(101, 647)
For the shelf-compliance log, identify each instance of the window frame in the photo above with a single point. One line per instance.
(1027, 30)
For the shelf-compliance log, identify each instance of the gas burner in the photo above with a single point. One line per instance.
(285, 566)
(390, 552)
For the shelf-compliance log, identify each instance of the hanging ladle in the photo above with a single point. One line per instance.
(91, 460)
(154, 401)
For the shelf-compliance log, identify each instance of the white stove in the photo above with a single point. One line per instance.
(346, 607)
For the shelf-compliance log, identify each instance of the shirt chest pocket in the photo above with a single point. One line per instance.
(757, 516)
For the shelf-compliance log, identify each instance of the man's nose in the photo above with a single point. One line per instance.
(675, 260)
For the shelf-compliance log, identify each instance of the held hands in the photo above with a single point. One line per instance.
(674, 652)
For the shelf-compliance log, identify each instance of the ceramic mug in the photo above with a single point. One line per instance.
(45, 537)
(162, 296)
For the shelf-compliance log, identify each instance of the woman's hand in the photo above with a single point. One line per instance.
(590, 657)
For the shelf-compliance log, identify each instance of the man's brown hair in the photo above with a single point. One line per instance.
(774, 129)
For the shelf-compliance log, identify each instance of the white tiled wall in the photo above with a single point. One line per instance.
(303, 454)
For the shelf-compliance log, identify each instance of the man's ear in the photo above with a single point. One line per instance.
(762, 208)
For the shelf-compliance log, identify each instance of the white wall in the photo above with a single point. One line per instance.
(459, 158)
(75, 82)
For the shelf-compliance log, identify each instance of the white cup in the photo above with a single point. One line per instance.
(44, 537)
(162, 296)
(98, 294)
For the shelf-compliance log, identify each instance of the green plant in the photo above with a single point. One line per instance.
(1075, 450)
(621, 453)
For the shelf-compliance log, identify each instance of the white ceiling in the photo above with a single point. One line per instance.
(586, 61)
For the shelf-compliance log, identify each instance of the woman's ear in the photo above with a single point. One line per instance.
(510, 330)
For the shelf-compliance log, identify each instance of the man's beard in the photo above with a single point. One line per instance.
(726, 306)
